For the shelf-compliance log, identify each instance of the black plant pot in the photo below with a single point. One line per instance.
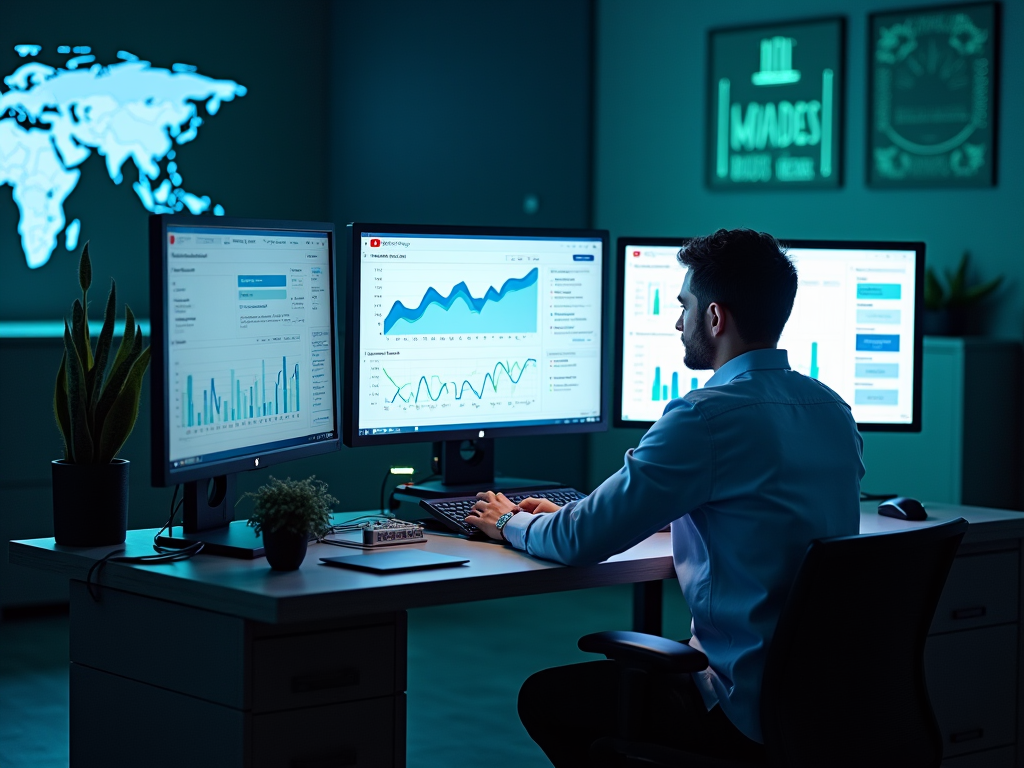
(90, 503)
(936, 322)
(955, 321)
(285, 550)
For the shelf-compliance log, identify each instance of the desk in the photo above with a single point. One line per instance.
(232, 656)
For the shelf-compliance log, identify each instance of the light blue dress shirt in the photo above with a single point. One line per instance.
(749, 470)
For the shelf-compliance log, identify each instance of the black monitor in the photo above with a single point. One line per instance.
(471, 333)
(245, 360)
(856, 326)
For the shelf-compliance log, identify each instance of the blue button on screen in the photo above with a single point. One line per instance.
(872, 342)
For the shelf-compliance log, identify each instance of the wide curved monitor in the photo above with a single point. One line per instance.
(855, 326)
(473, 332)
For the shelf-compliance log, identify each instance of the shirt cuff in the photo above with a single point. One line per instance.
(516, 528)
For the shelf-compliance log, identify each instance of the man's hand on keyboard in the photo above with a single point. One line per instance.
(485, 513)
(491, 506)
(534, 506)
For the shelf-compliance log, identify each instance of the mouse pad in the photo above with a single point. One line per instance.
(391, 562)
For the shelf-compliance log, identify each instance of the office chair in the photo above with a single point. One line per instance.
(844, 677)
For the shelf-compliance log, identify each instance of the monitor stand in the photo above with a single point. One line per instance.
(467, 467)
(209, 511)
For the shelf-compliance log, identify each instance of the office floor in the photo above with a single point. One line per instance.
(463, 660)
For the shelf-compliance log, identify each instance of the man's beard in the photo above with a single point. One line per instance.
(700, 352)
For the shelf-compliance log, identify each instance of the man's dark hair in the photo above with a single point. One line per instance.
(747, 272)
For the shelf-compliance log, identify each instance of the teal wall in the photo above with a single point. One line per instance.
(447, 112)
(452, 113)
(650, 145)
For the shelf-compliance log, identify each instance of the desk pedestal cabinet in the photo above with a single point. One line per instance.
(972, 657)
(159, 683)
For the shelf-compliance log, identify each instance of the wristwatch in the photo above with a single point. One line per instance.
(504, 519)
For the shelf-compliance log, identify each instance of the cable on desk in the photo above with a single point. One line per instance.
(384, 485)
(877, 496)
(163, 554)
(392, 505)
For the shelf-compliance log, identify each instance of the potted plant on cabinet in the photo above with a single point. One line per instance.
(96, 403)
(288, 512)
(948, 309)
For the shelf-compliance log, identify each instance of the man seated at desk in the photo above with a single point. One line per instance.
(748, 470)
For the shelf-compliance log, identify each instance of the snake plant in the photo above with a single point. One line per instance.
(956, 294)
(96, 409)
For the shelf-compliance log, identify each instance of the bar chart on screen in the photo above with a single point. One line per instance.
(669, 387)
(240, 393)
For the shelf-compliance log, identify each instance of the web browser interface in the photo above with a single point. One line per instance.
(852, 327)
(461, 332)
(250, 342)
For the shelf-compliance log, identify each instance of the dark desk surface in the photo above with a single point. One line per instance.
(249, 589)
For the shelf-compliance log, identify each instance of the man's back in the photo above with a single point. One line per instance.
(786, 467)
(749, 471)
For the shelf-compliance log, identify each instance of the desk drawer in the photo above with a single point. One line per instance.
(993, 758)
(357, 734)
(972, 683)
(981, 591)
(323, 668)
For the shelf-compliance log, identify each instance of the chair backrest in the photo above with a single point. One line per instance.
(844, 678)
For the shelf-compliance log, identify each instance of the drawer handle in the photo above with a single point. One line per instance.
(975, 612)
(324, 681)
(348, 757)
(961, 736)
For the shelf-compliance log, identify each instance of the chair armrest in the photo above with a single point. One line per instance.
(647, 652)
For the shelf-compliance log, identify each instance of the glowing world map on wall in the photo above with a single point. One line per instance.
(52, 119)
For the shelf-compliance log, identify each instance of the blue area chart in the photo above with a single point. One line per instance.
(510, 309)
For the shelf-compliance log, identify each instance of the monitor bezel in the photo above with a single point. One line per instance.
(351, 435)
(908, 245)
(162, 474)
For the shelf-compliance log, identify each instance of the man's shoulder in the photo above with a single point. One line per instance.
(783, 386)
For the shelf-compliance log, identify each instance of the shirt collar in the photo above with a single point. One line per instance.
(755, 360)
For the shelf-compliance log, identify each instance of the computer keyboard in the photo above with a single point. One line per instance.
(452, 511)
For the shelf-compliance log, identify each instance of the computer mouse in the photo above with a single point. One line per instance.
(903, 508)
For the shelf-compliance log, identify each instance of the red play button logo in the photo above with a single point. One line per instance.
(172, 239)
(375, 242)
(635, 254)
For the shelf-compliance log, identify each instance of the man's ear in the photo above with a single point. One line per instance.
(716, 318)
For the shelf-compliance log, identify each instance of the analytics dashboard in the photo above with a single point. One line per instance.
(852, 328)
(477, 332)
(250, 342)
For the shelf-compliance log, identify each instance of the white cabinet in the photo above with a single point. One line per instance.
(968, 450)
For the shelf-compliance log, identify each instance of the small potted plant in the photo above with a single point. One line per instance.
(288, 512)
(96, 403)
(948, 309)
